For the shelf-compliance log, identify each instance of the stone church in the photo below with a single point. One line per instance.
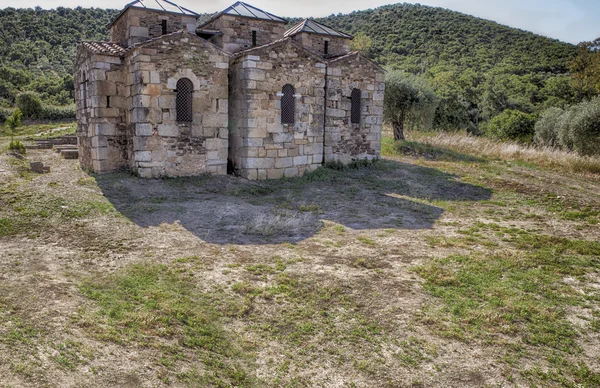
(239, 93)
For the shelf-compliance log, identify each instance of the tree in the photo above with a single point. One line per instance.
(408, 100)
(512, 125)
(13, 122)
(362, 43)
(547, 127)
(585, 69)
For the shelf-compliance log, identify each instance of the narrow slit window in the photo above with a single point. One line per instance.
(326, 48)
(164, 26)
(254, 42)
(288, 105)
(108, 101)
(355, 108)
(84, 85)
(183, 101)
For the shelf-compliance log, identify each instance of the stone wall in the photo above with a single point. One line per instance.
(138, 25)
(101, 110)
(160, 145)
(345, 141)
(237, 32)
(261, 146)
(316, 43)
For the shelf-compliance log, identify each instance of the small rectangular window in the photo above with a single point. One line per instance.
(355, 106)
(326, 48)
(164, 27)
(108, 101)
(254, 43)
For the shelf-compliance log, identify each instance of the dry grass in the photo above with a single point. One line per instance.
(545, 157)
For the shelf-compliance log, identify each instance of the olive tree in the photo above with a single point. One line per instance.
(409, 101)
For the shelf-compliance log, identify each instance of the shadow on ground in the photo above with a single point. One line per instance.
(229, 210)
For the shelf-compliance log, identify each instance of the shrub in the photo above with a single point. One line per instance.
(50, 112)
(546, 129)
(512, 125)
(585, 128)
(30, 104)
(17, 146)
(563, 125)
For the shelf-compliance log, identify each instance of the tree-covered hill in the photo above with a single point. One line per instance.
(417, 37)
(37, 49)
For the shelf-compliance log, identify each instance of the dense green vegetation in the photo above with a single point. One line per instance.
(37, 50)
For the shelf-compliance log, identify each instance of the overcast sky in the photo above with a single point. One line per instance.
(568, 20)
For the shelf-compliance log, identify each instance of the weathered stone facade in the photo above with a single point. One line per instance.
(175, 104)
(316, 43)
(261, 146)
(345, 141)
(136, 25)
(237, 32)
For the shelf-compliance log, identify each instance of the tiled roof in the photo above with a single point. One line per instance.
(311, 26)
(104, 48)
(161, 5)
(248, 11)
(156, 5)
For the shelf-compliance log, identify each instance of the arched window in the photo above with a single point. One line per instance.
(183, 102)
(287, 105)
(355, 106)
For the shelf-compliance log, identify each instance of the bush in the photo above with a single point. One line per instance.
(17, 146)
(547, 128)
(585, 128)
(30, 104)
(512, 125)
(50, 112)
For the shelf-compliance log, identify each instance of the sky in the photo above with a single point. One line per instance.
(568, 20)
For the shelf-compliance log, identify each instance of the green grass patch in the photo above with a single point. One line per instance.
(391, 147)
(153, 305)
(518, 294)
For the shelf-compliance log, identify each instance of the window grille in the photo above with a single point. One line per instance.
(288, 105)
(326, 47)
(254, 42)
(183, 102)
(164, 27)
(355, 106)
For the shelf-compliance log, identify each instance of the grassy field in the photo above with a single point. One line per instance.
(451, 262)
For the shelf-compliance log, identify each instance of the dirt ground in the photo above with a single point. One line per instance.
(323, 273)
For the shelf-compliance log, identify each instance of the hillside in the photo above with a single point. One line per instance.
(410, 35)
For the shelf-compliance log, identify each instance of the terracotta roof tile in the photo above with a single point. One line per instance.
(104, 48)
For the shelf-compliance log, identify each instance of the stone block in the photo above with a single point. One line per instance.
(291, 172)
(259, 163)
(284, 162)
(255, 74)
(168, 130)
(154, 77)
(144, 129)
(284, 137)
(143, 156)
(275, 173)
(300, 160)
